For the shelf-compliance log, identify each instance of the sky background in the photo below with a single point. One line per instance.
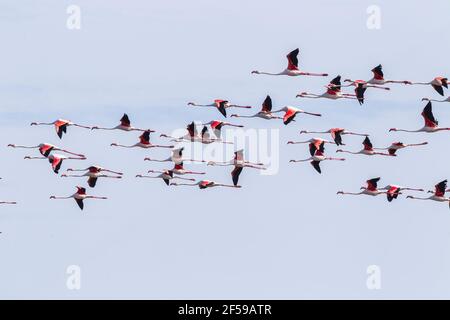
(283, 236)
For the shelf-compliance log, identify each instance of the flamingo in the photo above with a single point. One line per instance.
(94, 172)
(203, 184)
(392, 149)
(368, 150)
(431, 124)
(437, 83)
(220, 104)
(318, 156)
(333, 92)
(79, 196)
(265, 113)
(292, 68)
(144, 142)
(166, 175)
(60, 125)
(180, 170)
(314, 143)
(291, 112)
(378, 77)
(238, 160)
(370, 189)
(124, 125)
(361, 87)
(217, 126)
(176, 157)
(438, 194)
(45, 149)
(336, 134)
(194, 136)
(434, 100)
(56, 160)
(393, 191)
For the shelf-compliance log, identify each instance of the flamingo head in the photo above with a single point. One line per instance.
(64, 175)
(392, 129)
(234, 115)
(348, 80)
(174, 184)
(11, 145)
(339, 150)
(409, 197)
(52, 197)
(255, 72)
(33, 124)
(190, 103)
(290, 142)
(139, 176)
(147, 159)
(425, 99)
(94, 127)
(113, 144)
(27, 157)
(210, 163)
(340, 192)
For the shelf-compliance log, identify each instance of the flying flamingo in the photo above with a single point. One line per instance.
(336, 134)
(220, 104)
(333, 92)
(144, 142)
(94, 172)
(434, 100)
(217, 126)
(393, 191)
(194, 136)
(265, 113)
(318, 156)
(370, 190)
(238, 160)
(361, 87)
(124, 125)
(166, 175)
(176, 157)
(392, 149)
(314, 144)
(438, 194)
(378, 77)
(180, 170)
(437, 83)
(368, 150)
(292, 68)
(431, 124)
(291, 112)
(205, 184)
(60, 126)
(79, 196)
(56, 160)
(45, 149)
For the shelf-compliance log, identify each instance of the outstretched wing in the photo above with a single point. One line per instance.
(293, 59)
(378, 72)
(125, 121)
(359, 91)
(80, 203)
(428, 116)
(267, 104)
(367, 144)
(235, 174)
(92, 181)
(316, 165)
(220, 104)
(372, 184)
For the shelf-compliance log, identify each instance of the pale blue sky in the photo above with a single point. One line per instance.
(281, 236)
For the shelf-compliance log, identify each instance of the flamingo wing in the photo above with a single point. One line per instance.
(125, 121)
(45, 149)
(92, 181)
(191, 128)
(267, 104)
(439, 89)
(367, 144)
(235, 174)
(392, 193)
(293, 59)
(80, 203)
(359, 91)
(145, 137)
(61, 127)
(289, 116)
(378, 72)
(336, 135)
(440, 188)
(220, 104)
(428, 116)
(239, 155)
(56, 163)
(316, 165)
(372, 184)
(312, 148)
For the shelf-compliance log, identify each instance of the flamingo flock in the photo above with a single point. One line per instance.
(211, 132)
